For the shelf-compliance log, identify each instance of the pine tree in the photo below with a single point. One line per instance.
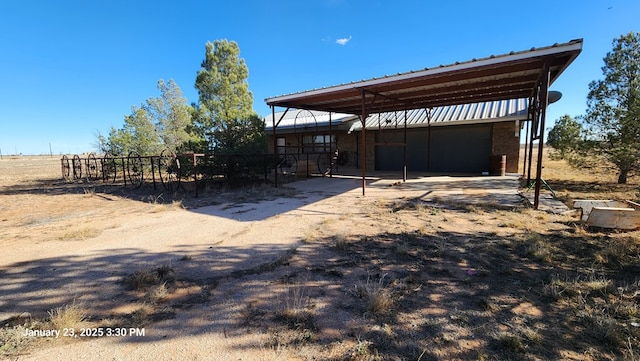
(612, 122)
(225, 110)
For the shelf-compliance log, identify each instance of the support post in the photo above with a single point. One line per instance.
(404, 149)
(526, 143)
(331, 154)
(428, 110)
(195, 172)
(534, 118)
(363, 119)
(275, 146)
(544, 102)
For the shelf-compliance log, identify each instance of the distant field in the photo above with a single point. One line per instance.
(600, 183)
(15, 170)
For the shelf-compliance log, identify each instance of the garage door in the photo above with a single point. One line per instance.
(454, 149)
(460, 149)
(390, 158)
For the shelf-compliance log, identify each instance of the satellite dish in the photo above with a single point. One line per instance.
(554, 96)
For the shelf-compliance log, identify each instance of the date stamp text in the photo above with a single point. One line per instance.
(86, 332)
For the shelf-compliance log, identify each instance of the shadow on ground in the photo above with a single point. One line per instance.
(443, 295)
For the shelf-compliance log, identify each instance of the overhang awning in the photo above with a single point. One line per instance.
(511, 76)
(517, 75)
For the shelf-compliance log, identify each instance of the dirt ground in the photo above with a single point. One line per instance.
(433, 269)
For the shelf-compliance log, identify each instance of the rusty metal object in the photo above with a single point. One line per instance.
(92, 167)
(132, 168)
(66, 168)
(77, 167)
(135, 169)
(109, 168)
(288, 164)
(169, 170)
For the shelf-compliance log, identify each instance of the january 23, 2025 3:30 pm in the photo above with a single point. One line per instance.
(86, 332)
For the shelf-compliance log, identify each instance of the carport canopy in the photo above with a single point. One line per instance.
(517, 75)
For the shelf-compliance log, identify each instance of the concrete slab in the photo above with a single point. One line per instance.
(500, 191)
(548, 203)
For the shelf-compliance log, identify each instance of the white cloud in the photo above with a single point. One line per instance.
(343, 41)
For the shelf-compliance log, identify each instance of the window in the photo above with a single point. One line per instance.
(281, 143)
(322, 143)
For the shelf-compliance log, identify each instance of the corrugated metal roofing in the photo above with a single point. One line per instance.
(305, 119)
(496, 111)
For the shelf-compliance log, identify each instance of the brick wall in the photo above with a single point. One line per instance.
(505, 140)
(347, 143)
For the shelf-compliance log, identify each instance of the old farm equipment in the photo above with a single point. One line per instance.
(167, 169)
(306, 149)
(130, 170)
(92, 167)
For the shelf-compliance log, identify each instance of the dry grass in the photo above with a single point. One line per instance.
(162, 207)
(143, 279)
(341, 242)
(539, 248)
(375, 294)
(158, 293)
(12, 339)
(140, 316)
(294, 303)
(596, 183)
(69, 316)
(80, 233)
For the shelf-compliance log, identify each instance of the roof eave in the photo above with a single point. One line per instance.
(574, 46)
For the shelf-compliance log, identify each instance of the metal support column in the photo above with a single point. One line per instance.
(428, 110)
(404, 151)
(544, 102)
(331, 154)
(275, 146)
(526, 143)
(363, 119)
(275, 140)
(534, 121)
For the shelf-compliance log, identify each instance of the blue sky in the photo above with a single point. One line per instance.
(72, 69)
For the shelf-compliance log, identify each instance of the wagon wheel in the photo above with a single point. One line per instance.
(387, 124)
(92, 166)
(77, 167)
(66, 167)
(134, 169)
(288, 165)
(324, 163)
(169, 169)
(109, 169)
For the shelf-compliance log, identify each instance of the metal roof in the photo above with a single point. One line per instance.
(306, 119)
(485, 112)
(510, 76)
